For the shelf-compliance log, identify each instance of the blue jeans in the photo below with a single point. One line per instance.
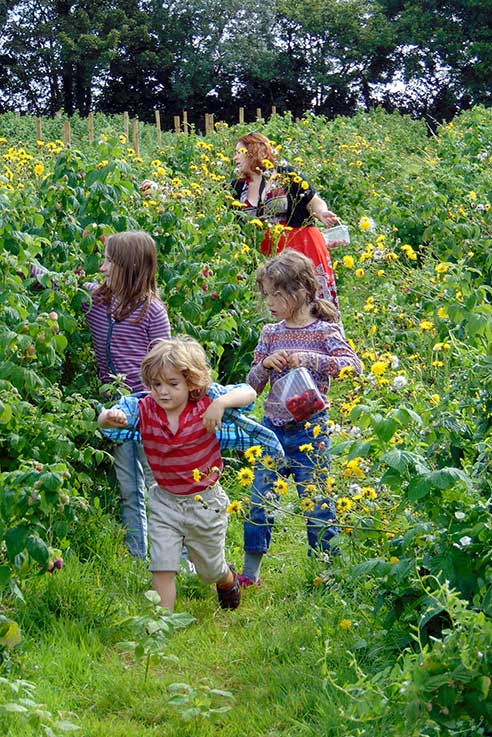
(134, 477)
(306, 468)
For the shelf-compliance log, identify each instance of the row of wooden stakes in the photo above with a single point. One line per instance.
(131, 127)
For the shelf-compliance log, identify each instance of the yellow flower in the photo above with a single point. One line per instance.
(155, 163)
(353, 470)
(257, 222)
(348, 262)
(472, 195)
(268, 462)
(394, 559)
(379, 367)
(344, 504)
(245, 476)
(425, 325)
(122, 138)
(408, 251)
(38, 168)
(234, 507)
(306, 448)
(330, 484)
(359, 273)
(435, 398)
(267, 164)
(442, 313)
(196, 474)
(197, 498)
(345, 624)
(317, 581)
(345, 371)
(304, 184)
(441, 268)
(366, 223)
(369, 492)
(307, 505)
(253, 453)
(316, 431)
(280, 486)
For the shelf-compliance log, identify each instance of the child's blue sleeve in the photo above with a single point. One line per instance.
(129, 406)
(218, 390)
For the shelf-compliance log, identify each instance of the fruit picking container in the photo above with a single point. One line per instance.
(299, 394)
(336, 236)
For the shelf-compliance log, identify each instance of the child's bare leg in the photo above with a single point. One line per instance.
(226, 581)
(165, 585)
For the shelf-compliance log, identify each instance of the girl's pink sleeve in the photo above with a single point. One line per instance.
(337, 355)
(258, 375)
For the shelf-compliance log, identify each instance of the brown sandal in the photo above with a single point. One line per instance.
(231, 597)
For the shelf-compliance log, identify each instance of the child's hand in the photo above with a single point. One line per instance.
(112, 418)
(147, 187)
(212, 417)
(276, 361)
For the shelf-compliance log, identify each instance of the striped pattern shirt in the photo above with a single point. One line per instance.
(173, 457)
(121, 346)
(321, 349)
(238, 432)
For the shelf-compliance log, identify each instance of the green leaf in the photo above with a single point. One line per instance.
(37, 549)
(400, 460)
(5, 413)
(446, 477)
(65, 726)
(15, 539)
(360, 449)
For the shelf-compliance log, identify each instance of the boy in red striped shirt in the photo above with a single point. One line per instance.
(187, 505)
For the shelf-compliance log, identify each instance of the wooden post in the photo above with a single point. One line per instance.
(209, 123)
(90, 126)
(126, 124)
(39, 130)
(185, 122)
(258, 113)
(177, 124)
(67, 133)
(274, 110)
(135, 136)
(158, 127)
(241, 115)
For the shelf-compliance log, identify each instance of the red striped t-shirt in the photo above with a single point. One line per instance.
(174, 456)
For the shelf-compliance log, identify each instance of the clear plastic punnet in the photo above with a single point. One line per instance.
(299, 394)
(336, 236)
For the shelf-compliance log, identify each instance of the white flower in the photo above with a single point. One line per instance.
(460, 515)
(399, 382)
(354, 489)
(394, 362)
(355, 432)
(465, 540)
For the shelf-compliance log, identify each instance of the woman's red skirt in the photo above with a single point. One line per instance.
(309, 241)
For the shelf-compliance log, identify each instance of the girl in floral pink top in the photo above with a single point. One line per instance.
(307, 335)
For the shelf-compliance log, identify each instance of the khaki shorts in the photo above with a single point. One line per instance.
(175, 521)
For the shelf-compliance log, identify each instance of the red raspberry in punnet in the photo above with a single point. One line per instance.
(302, 406)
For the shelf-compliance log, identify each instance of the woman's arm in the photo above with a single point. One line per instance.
(317, 207)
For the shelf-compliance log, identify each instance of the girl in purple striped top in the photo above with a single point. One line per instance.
(125, 317)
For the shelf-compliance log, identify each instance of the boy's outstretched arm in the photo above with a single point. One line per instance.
(110, 418)
(240, 396)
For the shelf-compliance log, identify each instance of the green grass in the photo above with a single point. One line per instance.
(270, 653)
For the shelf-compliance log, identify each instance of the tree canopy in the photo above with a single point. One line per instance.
(424, 57)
